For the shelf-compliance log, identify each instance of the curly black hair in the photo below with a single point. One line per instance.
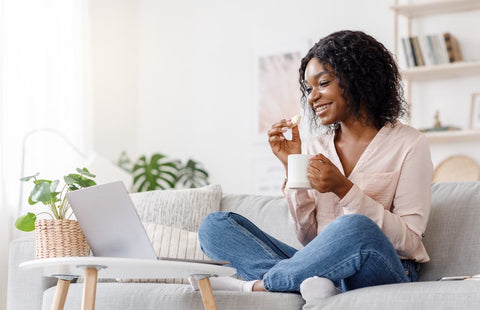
(366, 72)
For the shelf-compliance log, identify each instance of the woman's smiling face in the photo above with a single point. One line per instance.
(324, 94)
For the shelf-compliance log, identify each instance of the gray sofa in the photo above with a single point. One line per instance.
(452, 240)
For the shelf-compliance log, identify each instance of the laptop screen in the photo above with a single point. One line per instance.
(110, 222)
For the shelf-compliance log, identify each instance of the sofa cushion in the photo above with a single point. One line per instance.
(421, 295)
(452, 238)
(181, 208)
(172, 242)
(269, 213)
(141, 296)
(25, 287)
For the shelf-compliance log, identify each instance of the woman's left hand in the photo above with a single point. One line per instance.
(325, 177)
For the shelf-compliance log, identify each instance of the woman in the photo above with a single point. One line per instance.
(363, 221)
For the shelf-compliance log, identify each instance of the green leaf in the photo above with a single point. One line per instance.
(30, 201)
(77, 179)
(42, 181)
(54, 185)
(124, 162)
(41, 192)
(85, 172)
(54, 196)
(169, 181)
(158, 172)
(89, 182)
(192, 175)
(26, 222)
(84, 182)
(72, 187)
(142, 186)
(68, 180)
(25, 179)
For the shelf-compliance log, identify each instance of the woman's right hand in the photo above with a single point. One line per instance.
(280, 146)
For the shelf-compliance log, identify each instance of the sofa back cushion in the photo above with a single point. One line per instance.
(172, 218)
(180, 208)
(452, 238)
(269, 213)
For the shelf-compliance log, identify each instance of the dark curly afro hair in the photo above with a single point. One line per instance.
(367, 75)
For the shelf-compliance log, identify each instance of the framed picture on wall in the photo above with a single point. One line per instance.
(276, 87)
(475, 112)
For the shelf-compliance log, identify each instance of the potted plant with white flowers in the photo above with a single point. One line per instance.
(57, 235)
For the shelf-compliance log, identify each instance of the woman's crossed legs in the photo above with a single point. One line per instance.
(352, 252)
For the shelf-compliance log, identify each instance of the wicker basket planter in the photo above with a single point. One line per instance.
(59, 238)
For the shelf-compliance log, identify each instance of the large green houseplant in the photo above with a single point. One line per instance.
(160, 172)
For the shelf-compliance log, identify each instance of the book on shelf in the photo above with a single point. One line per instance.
(417, 51)
(427, 51)
(430, 50)
(407, 50)
(453, 48)
(439, 49)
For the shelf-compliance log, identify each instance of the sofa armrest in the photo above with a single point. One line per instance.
(25, 288)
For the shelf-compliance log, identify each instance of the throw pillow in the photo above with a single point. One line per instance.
(171, 242)
(181, 208)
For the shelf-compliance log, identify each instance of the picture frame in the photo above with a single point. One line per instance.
(475, 112)
(277, 87)
(276, 90)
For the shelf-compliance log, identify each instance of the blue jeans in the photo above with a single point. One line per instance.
(352, 251)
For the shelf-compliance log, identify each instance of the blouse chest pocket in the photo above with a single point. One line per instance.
(378, 186)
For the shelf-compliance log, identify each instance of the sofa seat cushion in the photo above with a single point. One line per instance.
(420, 295)
(154, 296)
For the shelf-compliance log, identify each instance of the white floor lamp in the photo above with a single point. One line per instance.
(26, 137)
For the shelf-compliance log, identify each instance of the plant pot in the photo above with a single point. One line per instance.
(59, 238)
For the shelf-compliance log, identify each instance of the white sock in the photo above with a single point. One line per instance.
(224, 284)
(317, 288)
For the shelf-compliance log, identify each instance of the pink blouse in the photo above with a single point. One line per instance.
(392, 182)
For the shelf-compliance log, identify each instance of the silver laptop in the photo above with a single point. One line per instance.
(111, 224)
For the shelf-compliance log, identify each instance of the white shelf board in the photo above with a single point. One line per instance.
(436, 7)
(451, 70)
(453, 136)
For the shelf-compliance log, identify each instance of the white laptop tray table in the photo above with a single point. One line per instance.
(66, 269)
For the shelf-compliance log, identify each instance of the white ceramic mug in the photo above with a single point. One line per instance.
(297, 171)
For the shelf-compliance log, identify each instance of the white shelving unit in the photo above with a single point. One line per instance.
(453, 136)
(451, 70)
(436, 7)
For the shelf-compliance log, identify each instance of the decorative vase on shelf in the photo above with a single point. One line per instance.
(59, 238)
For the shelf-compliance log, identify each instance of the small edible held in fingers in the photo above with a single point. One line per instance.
(295, 120)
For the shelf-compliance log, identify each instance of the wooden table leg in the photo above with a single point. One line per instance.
(60, 294)
(89, 288)
(207, 294)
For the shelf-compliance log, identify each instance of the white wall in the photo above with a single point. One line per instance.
(114, 40)
(176, 76)
(196, 72)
